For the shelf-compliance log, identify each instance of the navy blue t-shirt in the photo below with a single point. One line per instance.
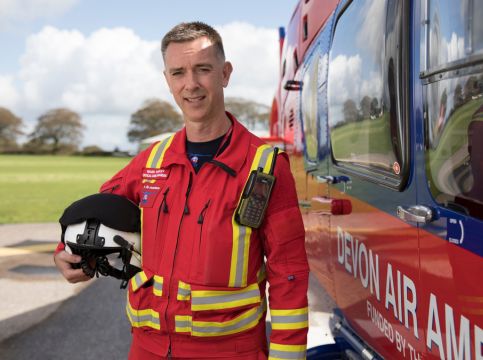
(200, 152)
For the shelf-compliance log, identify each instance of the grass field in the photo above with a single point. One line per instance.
(39, 188)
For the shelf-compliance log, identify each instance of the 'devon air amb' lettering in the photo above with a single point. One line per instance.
(400, 299)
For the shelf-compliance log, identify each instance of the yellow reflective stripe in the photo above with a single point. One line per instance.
(156, 156)
(137, 280)
(145, 317)
(154, 151)
(182, 323)
(289, 312)
(158, 285)
(184, 291)
(239, 253)
(290, 319)
(247, 320)
(290, 326)
(282, 352)
(157, 153)
(241, 234)
(216, 299)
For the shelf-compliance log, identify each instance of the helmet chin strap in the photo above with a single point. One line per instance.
(102, 266)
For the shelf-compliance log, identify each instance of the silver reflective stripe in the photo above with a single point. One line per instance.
(183, 323)
(158, 286)
(264, 157)
(241, 256)
(143, 320)
(284, 319)
(279, 354)
(236, 326)
(139, 279)
(184, 292)
(225, 298)
(159, 152)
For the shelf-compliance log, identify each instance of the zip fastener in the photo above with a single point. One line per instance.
(185, 212)
(190, 182)
(164, 207)
(164, 203)
(111, 189)
(201, 220)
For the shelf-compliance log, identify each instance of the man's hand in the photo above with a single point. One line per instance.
(63, 260)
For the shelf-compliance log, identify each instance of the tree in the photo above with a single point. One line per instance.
(366, 107)
(351, 114)
(248, 112)
(153, 118)
(10, 126)
(57, 130)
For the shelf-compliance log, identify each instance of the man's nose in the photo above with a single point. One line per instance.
(191, 81)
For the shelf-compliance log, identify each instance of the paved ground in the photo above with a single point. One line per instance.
(31, 289)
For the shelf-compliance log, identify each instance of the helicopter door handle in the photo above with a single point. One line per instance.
(417, 213)
(293, 85)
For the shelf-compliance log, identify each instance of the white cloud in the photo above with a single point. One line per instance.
(455, 47)
(112, 71)
(372, 27)
(107, 75)
(344, 76)
(8, 93)
(254, 53)
(25, 10)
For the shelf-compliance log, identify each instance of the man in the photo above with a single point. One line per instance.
(201, 293)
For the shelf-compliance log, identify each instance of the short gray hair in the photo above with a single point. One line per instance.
(190, 31)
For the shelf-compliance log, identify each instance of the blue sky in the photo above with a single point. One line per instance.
(101, 57)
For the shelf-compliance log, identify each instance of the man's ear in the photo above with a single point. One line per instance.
(167, 81)
(227, 70)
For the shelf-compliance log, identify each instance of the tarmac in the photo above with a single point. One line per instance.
(31, 288)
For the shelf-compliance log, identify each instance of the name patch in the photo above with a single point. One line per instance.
(155, 174)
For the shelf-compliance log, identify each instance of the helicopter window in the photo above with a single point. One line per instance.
(309, 108)
(454, 31)
(454, 107)
(365, 92)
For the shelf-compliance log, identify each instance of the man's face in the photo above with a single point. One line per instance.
(196, 75)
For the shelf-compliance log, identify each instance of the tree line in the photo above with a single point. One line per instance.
(60, 130)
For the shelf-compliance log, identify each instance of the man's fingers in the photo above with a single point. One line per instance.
(69, 258)
(75, 275)
(64, 261)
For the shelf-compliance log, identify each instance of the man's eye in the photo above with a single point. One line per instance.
(176, 73)
(204, 70)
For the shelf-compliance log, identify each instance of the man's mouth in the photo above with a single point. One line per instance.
(194, 99)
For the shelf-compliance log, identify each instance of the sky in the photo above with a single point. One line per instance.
(101, 58)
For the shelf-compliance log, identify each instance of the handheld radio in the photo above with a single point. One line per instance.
(255, 196)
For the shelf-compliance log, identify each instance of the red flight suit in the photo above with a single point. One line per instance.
(201, 293)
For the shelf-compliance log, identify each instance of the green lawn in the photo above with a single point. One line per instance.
(39, 188)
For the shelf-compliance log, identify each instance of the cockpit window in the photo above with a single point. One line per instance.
(454, 106)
